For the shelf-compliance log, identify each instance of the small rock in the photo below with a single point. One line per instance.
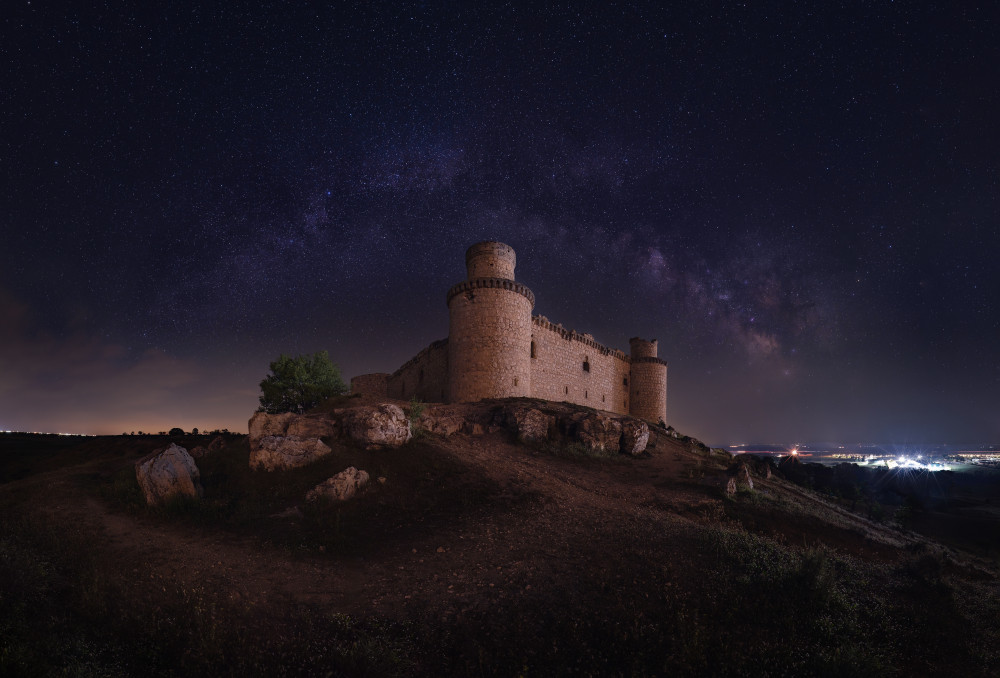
(340, 487)
(473, 428)
(198, 452)
(275, 453)
(740, 475)
(445, 425)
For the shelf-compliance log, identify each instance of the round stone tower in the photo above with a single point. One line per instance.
(489, 335)
(647, 387)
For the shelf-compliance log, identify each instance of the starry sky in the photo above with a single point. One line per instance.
(799, 201)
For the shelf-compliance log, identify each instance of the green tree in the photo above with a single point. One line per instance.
(300, 383)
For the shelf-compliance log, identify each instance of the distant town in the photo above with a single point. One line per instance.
(927, 457)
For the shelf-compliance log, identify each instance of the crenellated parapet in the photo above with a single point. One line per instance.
(491, 284)
(544, 323)
(649, 359)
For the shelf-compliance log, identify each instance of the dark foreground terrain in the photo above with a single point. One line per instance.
(477, 556)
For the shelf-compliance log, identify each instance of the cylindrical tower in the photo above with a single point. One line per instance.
(489, 335)
(647, 386)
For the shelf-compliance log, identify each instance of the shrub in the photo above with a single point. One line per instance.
(300, 383)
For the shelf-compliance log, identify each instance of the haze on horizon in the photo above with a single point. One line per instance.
(801, 207)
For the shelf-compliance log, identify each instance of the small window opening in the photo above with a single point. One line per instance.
(566, 390)
(585, 395)
(602, 399)
(625, 381)
(515, 381)
(533, 350)
(586, 365)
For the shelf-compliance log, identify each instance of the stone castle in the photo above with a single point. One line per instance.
(497, 349)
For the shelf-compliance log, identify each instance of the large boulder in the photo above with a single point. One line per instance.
(598, 432)
(167, 473)
(340, 487)
(376, 426)
(635, 436)
(275, 453)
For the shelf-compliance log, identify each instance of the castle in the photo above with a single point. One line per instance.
(497, 349)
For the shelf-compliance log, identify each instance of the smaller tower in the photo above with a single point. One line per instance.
(648, 383)
(490, 260)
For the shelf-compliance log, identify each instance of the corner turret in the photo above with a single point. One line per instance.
(648, 383)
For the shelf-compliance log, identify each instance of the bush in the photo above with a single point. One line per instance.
(300, 383)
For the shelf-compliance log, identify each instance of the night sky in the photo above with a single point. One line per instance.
(800, 202)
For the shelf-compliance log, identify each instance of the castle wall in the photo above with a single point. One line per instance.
(424, 376)
(375, 385)
(557, 369)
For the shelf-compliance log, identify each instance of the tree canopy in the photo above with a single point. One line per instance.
(300, 383)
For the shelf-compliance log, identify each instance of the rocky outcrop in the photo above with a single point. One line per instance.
(263, 424)
(167, 473)
(598, 432)
(275, 453)
(443, 424)
(531, 425)
(340, 487)
(377, 426)
(313, 426)
(288, 440)
(635, 437)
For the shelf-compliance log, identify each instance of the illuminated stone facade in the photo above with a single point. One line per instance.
(497, 349)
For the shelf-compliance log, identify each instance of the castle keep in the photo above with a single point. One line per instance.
(497, 349)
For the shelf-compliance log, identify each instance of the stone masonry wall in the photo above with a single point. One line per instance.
(424, 376)
(376, 384)
(558, 373)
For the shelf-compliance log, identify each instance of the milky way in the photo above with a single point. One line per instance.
(800, 203)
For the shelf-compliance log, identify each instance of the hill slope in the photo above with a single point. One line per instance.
(477, 555)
